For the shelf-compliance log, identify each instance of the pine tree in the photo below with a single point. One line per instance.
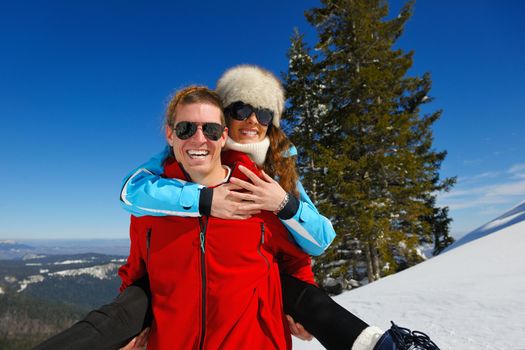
(439, 222)
(306, 114)
(367, 150)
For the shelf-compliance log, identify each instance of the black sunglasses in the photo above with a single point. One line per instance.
(185, 130)
(242, 111)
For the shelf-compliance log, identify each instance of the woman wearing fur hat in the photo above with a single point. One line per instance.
(254, 101)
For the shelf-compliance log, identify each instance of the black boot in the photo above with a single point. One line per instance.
(398, 338)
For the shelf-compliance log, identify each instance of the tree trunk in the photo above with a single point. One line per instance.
(375, 262)
(372, 262)
(314, 183)
(369, 267)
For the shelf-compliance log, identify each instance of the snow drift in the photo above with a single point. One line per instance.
(470, 297)
(511, 217)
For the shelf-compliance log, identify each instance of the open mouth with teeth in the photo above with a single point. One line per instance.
(249, 132)
(197, 154)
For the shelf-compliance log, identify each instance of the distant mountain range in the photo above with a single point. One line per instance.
(20, 249)
(42, 294)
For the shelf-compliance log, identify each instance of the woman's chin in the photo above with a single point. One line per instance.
(248, 139)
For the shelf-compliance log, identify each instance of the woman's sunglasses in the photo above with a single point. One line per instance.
(185, 130)
(242, 111)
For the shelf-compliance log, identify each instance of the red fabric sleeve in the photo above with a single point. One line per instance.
(298, 267)
(291, 259)
(135, 267)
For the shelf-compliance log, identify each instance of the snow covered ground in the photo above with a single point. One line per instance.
(105, 271)
(511, 217)
(471, 297)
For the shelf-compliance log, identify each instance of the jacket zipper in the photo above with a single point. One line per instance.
(260, 245)
(203, 223)
(148, 242)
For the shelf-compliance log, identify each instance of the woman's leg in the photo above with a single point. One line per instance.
(338, 329)
(333, 326)
(109, 327)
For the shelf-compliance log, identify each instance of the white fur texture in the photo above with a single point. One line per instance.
(367, 339)
(253, 85)
(256, 151)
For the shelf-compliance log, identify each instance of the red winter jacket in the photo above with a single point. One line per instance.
(214, 283)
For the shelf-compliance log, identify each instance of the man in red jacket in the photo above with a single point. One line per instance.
(214, 283)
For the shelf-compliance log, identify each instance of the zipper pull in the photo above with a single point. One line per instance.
(148, 241)
(262, 232)
(202, 241)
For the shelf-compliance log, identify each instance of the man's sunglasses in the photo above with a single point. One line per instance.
(185, 130)
(242, 111)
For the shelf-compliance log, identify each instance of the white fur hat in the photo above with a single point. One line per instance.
(252, 85)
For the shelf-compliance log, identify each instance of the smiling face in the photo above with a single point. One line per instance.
(199, 156)
(247, 131)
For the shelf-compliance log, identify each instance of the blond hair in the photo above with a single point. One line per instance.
(190, 95)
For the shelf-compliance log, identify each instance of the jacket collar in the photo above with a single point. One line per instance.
(231, 159)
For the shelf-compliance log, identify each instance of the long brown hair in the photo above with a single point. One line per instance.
(278, 164)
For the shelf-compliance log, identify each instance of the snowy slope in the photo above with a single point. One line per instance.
(511, 217)
(470, 297)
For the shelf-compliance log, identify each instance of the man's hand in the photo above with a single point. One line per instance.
(298, 330)
(263, 194)
(139, 342)
(225, 205)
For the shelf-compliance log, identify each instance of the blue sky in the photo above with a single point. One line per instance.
(83, 87)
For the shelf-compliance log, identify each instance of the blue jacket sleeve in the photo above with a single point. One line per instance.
(312, 231)
(144, 192)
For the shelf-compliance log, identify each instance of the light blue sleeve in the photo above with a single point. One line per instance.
(312, 231)
(145, 192)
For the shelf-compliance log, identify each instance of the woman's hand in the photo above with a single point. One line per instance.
(298, 330)
(263, 194)
(139, 342)
(225, 205)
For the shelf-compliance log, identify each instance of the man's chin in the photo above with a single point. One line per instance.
(191, 165)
